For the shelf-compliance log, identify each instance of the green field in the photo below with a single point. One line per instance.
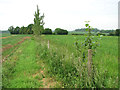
(11, 40)
(33, 65)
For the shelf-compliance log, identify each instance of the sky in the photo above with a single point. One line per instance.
(65, 14)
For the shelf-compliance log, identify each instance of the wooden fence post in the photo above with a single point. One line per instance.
(48, 44)
(89, 62)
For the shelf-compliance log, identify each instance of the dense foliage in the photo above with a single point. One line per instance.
(96, 32)
(59, 31)
(69, 68)
(47, 31)
(117, 32)
(21, 30)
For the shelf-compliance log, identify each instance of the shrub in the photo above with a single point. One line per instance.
(101, 34)
(77, 34)
(117, 32)
(47, 31)
(111, 34)
(59, 31)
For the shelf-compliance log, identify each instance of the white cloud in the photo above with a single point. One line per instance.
(67, 14)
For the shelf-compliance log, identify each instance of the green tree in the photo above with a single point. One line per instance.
(47, 31)
(21, 30)
(59, 31)
(25, 30)
(38, 23)
(117, 32)
(11, 29)
(29, 29)
(16, 30)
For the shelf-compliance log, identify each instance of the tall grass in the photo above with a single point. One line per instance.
(63, 63)
(20, 68)
(68, 68)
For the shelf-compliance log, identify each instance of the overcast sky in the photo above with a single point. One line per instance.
(66, 14)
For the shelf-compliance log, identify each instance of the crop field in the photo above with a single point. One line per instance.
(52, 61)
(10, 42)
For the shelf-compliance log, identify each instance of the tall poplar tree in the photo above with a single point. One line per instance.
(38, 26)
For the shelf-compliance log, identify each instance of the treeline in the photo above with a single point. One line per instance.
(115, 33)
(95, 30)
(111, 33)
(107, 31)
(29, 30)
(99, 32)
(83, 30)
(21, 30)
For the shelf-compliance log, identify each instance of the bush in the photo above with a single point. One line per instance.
(77, 34)
(117, 32)
(111, 34)
(59, 31)
(47, 31)
(100, 34)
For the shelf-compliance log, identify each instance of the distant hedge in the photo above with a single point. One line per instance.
(47, 31)
(77, 34)
(101, 34)
(59, 31)
(115, 33)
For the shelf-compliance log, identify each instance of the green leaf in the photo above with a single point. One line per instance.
(86, 29)
(86, 25)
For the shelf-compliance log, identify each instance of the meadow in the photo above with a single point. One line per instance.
(34, 65)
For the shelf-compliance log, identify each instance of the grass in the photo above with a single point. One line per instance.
(5, 34)
(11, 41)
(106, 59)
(24, 69)
(34, 65)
